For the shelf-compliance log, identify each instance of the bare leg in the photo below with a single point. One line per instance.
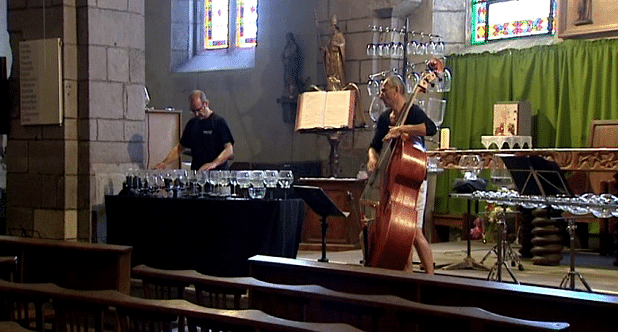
(424, 251)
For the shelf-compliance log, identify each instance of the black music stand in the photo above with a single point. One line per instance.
(534, 175)
(321, 204)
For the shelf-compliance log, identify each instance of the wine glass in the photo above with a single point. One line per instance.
(440, 49)
(192, 179)
(376, 108)
(499, 174)
(444, 83)
(214, 178)
(233, 182)
(431, 47)
(373, 87)
(470, 166)
(242, 177)
(411, 47)
(182, 178)
(285, 180)
(257, 189)
(202, 179)
(224, 180)
(173, 176)
(435, 110)
(271, 178)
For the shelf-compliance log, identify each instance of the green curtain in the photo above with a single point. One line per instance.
(568, 84)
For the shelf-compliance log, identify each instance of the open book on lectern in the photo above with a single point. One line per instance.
(325, 110)
(534, 175)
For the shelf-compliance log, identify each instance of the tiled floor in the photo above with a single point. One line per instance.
(596, 270)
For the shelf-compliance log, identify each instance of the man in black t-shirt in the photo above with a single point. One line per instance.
(207, 135)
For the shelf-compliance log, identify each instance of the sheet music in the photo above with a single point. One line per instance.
(325, 110)
(340, 109)
(311, 107)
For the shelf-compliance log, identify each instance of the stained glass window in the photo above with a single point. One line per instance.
(216, 27)
(502, 19)
(246, 23)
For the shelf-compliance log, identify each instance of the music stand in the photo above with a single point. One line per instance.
(534, 175)
(321, 204)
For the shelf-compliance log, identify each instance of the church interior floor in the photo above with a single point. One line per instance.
(598, 271)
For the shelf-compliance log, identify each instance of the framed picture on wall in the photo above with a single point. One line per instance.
(587, 18)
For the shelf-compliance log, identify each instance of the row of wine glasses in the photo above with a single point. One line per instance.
(194, 183)
(395, 50)
(392, 43)
(600, 206)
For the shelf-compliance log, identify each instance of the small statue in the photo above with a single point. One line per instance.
(334, 59)
(584, 12)
(292, 61)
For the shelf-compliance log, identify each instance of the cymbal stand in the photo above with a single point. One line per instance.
(501, 248)
(510, 255)
(468, 262)
(569, 280)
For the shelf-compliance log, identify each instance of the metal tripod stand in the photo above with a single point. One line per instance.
(501, 250)
(468, 262)
(569, 280)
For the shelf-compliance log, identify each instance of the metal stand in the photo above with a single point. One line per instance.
(501, 250)
(468, 262)
(324, 228)
(333, 157)
(510, 256)
(569, 280)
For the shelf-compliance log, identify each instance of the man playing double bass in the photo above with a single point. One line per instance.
(417, 124)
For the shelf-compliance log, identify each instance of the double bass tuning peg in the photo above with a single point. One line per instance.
(435, 65)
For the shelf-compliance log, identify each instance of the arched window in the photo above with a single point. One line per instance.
(503, 19)
(221, 23)
(223, 35)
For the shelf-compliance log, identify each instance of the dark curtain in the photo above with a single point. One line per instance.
(568, 84)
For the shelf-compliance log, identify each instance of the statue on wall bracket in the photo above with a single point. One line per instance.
(293, 85)
(584, 10)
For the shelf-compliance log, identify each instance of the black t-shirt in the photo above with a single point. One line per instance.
(206, 138)
(415, 116)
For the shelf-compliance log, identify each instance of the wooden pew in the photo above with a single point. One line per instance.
(12, 327)
(367, 312)
(132, 309)
(583, 311)
(76, 265)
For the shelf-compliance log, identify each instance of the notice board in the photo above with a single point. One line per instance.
(41, 96)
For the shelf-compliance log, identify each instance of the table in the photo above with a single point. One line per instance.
(211, 235)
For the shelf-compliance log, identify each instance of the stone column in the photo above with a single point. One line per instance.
(57, 175)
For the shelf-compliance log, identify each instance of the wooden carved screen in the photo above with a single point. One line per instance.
(603, 134)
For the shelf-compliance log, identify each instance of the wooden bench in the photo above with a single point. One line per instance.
(367, 312)
(76, 265)
(9, 326)
(8, 266)
(138, 314)
(583, 311)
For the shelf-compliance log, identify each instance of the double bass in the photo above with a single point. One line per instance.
(402, 168)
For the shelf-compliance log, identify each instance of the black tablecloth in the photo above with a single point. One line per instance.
(212, 236)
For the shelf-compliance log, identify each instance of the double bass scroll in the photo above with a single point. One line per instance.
(401, 170)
